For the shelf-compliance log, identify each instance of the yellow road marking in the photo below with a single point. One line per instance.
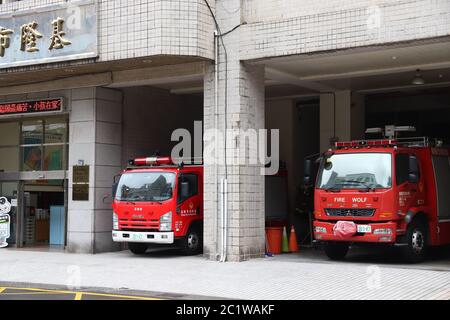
(39, 290)
(27, 293)
(2, 289)
(118, 296)
(78, 296)
(47, 291)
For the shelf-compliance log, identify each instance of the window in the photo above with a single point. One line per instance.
(356, 171)
(402, 168)
(192, 180)
(9, 146)
(145, 187)
(44, 145)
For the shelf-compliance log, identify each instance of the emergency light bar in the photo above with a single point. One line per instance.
(405, 142)
(151, 161)
(363, 143)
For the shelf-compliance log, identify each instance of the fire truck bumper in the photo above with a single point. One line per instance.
(384, 232)
(143, 237)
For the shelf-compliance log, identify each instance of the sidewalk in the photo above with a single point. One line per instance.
(283, 277)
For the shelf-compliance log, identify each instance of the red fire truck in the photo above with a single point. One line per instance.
(392, 191)
(158, 202)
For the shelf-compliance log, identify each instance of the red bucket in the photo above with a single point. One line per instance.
(274, 236)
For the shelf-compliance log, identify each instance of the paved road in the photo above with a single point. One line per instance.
(367, 274)
(19, 293)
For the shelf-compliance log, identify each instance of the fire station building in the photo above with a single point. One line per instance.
(86, 85)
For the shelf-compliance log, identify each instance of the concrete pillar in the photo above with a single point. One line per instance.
(245, 110)
(342, 116)
(95, 138)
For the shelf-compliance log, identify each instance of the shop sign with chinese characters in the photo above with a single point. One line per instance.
(31, 107)
(49, 34)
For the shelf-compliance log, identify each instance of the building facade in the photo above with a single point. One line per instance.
(128, 73)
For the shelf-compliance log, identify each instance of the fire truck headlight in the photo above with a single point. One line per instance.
(115, 221)
(165, 222)
(382, 231)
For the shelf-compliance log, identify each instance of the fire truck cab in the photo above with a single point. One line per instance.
(390, 191)
(158, 202)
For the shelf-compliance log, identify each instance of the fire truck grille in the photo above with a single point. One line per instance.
(341, 212)
(143, 225)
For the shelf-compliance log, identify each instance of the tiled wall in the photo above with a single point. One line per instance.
(138, 28)
(144, 27)
(282, 27)
(244, 111)
(272, 10)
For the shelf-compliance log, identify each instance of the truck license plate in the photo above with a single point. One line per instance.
(137, 236)
(363, 228)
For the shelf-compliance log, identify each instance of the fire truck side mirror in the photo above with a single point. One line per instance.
(308, 173)
(307, 181)
(184, 190)
(413, 178)
(114, 190)
(413, 169)
(115, 185)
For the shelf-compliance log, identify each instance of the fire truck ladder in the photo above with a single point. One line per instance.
(391, 132)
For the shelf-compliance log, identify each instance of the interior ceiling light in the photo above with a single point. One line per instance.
(418, 80)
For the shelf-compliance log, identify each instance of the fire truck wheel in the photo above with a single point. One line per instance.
(416, 237)
(137, 248)
(336, 250)
(192, 243)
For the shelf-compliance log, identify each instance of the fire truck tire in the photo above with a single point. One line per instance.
(416, 239)
(192, 243)
(137, 248)
(336, 250)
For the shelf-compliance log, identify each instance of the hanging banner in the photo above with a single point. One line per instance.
(5, 222)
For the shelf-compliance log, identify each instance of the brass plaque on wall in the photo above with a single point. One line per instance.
(80, 192)
(80, 174)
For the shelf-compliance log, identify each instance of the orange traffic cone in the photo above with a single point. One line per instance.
(293, 245)
(284, 243)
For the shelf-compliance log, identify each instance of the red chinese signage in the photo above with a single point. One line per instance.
(27, 107)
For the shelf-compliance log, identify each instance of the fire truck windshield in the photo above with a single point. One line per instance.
(356, 171)
(145, 186)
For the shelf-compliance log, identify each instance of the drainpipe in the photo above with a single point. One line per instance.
(225, 221)
(222, 256)
(222, 215)
(216, 124)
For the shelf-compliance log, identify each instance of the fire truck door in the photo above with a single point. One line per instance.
(189, 205)
(408, 191)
